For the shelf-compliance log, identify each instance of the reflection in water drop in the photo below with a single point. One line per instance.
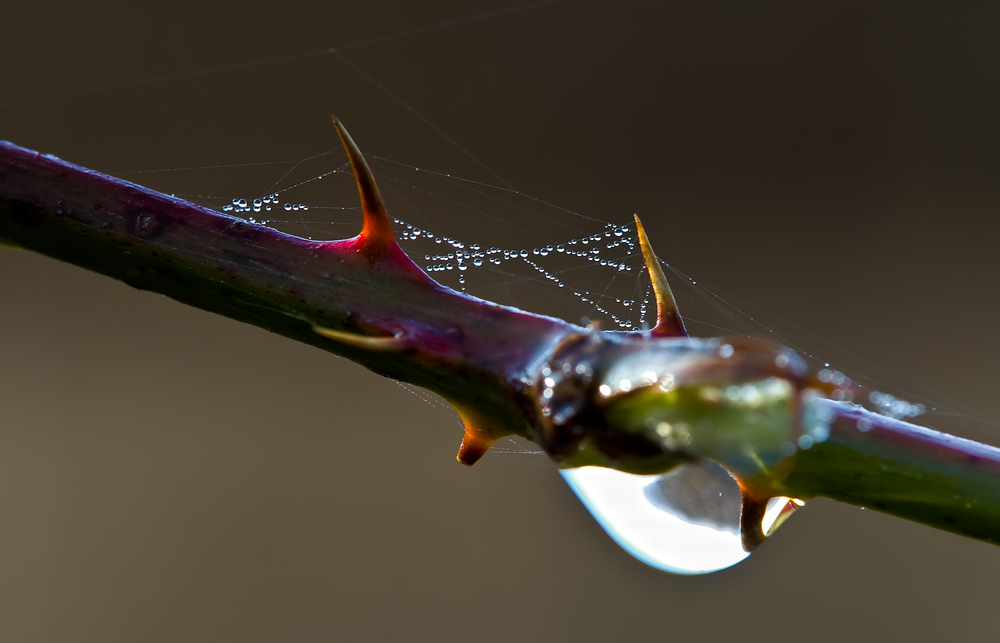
(702, 494)
(657, 533)
(686, 521)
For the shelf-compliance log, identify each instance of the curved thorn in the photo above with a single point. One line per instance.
(479, 436)
(396, 342)
(668, 318)
(751, 518)
(475, 444)
(376, 233)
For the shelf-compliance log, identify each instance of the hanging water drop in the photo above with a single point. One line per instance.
(477, 262)
(686, 521)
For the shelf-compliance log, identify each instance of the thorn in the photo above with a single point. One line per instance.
(668, 318)
(396, 342)
(751, 518)
(376, 233)
(475, 444)
(479, 437)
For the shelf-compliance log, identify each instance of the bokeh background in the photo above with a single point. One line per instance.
(167, 475)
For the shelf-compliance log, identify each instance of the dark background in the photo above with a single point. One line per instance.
(167, 475)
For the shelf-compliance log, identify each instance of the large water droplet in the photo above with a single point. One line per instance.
(686, 521)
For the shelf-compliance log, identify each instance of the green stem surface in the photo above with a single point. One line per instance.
(905, 470)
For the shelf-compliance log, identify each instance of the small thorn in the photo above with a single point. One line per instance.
(396, 342)
(751, 519)
(479, 437)
(668, 318)
(475, 444)
(376, 232)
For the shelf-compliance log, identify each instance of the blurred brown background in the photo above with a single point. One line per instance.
(167, 475)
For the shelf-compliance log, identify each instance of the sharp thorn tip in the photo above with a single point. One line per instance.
(376, 232)
(668, 318)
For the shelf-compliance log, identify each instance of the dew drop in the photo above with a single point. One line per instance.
(288, 207)
(477, 262)
(685, 521)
